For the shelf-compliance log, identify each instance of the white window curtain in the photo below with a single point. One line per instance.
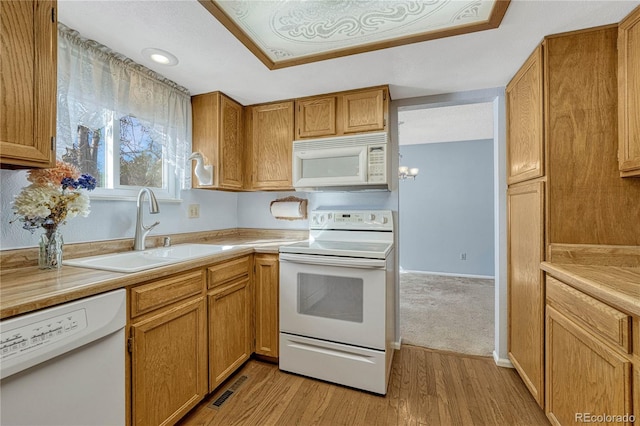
(96, 84)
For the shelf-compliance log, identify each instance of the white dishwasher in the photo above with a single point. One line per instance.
(65, 365)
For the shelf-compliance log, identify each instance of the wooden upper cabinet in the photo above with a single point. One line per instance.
(364, 111)
(341, 113)
(316, 117)
(525, 129)
(629, 94)
(232, 144)
(28, 83)
(218, 133)
(270, 158)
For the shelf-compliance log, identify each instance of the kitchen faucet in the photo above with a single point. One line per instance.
(141, 230)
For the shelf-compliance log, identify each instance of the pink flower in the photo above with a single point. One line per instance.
(54, 175)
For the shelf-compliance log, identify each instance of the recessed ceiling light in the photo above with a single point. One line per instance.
(160, 56)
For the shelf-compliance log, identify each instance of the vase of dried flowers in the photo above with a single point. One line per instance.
(55, 195)
(51, 242)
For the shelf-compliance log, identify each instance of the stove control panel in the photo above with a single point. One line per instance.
(381, 220)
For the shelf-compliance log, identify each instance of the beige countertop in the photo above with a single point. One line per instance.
(618, 286)
(27, 289)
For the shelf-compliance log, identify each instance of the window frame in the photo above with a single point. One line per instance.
(115, 191)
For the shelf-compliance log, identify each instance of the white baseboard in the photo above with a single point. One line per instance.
(447, 274)
(398, 344)
(502, 362)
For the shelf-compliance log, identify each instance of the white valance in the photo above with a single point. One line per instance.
(96, 85)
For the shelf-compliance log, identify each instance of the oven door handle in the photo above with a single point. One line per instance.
(349, 262)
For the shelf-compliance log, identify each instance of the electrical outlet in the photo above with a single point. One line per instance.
(194, 211)
(463, 256)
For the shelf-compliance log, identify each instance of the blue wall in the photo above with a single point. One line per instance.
(448, 209)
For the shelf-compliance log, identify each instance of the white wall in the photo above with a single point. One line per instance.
(253, 207)
(116, 219)
(218, 210)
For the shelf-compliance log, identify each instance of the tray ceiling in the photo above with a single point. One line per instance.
(285, 33)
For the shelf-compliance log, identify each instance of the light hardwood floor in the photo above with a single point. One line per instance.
(427, 387)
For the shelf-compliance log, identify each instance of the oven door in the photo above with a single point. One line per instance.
(333, 298)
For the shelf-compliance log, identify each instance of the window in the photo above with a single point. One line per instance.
(120, 122)
(122, 156)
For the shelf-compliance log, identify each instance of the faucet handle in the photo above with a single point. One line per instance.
(150, 227)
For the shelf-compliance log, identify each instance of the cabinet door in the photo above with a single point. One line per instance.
(204, 134)
(229, 329)
(218, 133)
(364, 111)
(28, 84)
(271, 145)
(629, 94)
(169, 363)
(584, 376)
(636, 390)
(525, 131)
(525, 241)
(267, 291)
(231, 144)
(316, 117)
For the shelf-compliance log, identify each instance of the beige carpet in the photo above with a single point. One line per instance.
(447, 313)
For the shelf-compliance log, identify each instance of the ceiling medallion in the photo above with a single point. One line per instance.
(293, 32)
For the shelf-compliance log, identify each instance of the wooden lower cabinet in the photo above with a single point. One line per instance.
(525, 289)
(636, 392)
(584, 376)
(230, 335)
(190, 331)
(266, 304)
(168, 363)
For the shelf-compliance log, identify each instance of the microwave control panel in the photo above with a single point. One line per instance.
(377, 163)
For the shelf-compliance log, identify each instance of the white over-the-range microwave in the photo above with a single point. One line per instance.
(343, 163)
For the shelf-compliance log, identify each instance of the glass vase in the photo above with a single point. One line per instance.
(50, 249)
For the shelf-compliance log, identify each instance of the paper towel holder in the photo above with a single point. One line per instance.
(299, 214)
(204, 173)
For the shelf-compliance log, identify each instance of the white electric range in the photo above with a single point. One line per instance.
(337, 299)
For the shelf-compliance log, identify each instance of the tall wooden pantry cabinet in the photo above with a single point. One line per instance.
(563, 176)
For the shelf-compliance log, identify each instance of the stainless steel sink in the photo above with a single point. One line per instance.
(134, 261)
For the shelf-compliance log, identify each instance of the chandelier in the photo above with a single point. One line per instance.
(407, 173)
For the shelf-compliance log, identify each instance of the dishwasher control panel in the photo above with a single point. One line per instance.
(27, 338)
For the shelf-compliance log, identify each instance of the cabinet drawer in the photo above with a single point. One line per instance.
(224, 272)
(154, 295)
(607, 322)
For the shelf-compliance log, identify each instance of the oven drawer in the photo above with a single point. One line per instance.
(334, 362)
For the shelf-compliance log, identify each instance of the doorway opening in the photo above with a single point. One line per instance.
(450, 249)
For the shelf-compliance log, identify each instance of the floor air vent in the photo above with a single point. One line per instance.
(224, 396)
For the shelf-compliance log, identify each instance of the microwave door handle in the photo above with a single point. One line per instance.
(348, 262)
